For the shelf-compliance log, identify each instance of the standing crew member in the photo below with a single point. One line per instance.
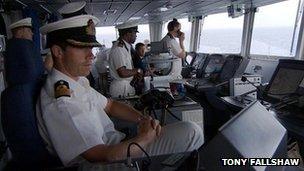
(177, 49)
(120, 61)
(22, 55)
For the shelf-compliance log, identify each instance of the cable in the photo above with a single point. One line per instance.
(129, 159)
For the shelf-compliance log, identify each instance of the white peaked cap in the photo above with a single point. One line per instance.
(26, 22)
(72, 7)
(77, 31)
(77, 21)
(127, 24)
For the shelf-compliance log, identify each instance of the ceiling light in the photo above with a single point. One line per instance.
(118, 23)
(134, 18)
(163, 9)
(109, 12)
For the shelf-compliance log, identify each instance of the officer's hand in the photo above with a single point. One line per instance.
(146, 119)
(155, 125)
(138, 76)
(146, 130)
(181, 36)
(138, 71)
(142, 117)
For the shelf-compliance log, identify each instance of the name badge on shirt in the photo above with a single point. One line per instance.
(62, 88)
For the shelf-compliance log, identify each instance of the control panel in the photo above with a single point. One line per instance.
(239, 87)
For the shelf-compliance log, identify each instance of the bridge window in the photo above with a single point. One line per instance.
(105, 35)
(144, 34)
(221, 34)
(186, 28)
(275, 29)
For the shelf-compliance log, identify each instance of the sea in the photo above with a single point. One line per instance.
(269, 41)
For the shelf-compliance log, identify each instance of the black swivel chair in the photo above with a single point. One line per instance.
(18, 118)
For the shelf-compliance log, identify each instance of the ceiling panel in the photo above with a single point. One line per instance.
(151, 6)
(177, 6)
(120, 7)
(191, 7)
(132, 9)
(96, 9)
(138, 8)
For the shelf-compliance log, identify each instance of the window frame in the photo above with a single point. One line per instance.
(277, 57)
(224, 53)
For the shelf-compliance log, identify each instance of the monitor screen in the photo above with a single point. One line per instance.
(214, 65)
(230, 67)
(198, 61)
(286, 81)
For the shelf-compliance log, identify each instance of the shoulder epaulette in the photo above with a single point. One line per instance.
(120, 43)
(62, 88)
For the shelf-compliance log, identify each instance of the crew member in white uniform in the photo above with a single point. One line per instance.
(177, 48)
(68, 10)
(73, 118)
(120, 61)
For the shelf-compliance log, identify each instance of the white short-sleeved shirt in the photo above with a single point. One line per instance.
(170, 42)
(120, 56)
(72, 125)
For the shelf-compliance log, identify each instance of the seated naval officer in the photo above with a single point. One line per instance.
(73, 118)
(21, 54)
(120, 61)
(68, 10)
(73, 9)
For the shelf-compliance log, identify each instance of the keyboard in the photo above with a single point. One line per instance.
(199, 83)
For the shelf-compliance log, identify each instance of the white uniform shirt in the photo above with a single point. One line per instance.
(175, 49)
(72, 125)
(119, 57)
